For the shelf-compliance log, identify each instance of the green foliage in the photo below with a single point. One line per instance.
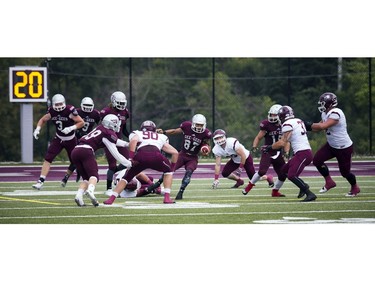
(171, 90)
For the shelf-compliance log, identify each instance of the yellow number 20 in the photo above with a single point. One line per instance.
(29, 80)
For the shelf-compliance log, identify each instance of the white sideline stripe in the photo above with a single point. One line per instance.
(287, 220)
(189, 214)
(224, 184)
(189, 205)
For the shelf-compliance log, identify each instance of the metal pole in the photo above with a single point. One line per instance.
(289, 83)
(48, 100)
(370, 104)
(27, 133)
(213, 94)
(339, 74)
(131, 93)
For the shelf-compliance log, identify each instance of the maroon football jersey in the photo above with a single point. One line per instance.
(273, 131)
(62, 120)
(90, 118)
(95, 137)
(123, 116)
(192, 140)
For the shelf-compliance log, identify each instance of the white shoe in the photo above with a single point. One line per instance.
(38, 185)
(108, 192)
(91, 195)
(79, 201)
(323, 190)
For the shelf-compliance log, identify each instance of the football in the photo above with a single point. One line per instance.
(205, 149)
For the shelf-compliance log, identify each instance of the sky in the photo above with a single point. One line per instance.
(146, 28)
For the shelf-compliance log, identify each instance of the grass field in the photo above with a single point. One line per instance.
(234, 237)
(20, 204)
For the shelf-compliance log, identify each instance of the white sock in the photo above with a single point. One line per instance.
(278, 184)
(91, 187)
(255, 178)
(167, 190)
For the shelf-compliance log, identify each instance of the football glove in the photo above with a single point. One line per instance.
(266, 148)
(67, 130)
(308, 125)
(36, 133)
(238, 172)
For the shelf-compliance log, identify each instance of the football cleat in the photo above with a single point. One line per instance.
(238, 183)
(63, 182)
(110, 200)
(91, 195)
(276, 193)
(247, 189)
(167, 199)
(301, 193)
(38, 185)
(353, 191)
(79, 201)
(327, 187)
(310, 197)
(179, 195)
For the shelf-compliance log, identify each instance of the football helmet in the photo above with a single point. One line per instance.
(148, 126)
(87, 104)
(58, 102)
(111, 122)
(327, 101)
(272, 113)
(219, 137)
(285, 112)
(198, 119)
(118, 100)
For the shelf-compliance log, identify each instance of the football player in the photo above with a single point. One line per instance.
(240, 158)
(83, 155)
(293, 130)
(338, 145)
(117, 107)
(148, 144)
(270, 130)
(137, 187)
(91, 117)
(195, 135)
(66, 120)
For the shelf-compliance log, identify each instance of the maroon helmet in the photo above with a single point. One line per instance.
(219, 137)
(327, 101)
(148, 126)
(285, 113)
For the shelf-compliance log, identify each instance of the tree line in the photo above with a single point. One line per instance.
(233, 93)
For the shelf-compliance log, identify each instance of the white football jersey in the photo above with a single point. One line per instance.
(337, 135)
(150, 138)
(229, 150)
(298, 140)
(126, 193)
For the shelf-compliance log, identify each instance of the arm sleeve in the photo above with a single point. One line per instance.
(122, 143)
(115, 153)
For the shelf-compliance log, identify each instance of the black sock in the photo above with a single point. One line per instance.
(109, 184)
